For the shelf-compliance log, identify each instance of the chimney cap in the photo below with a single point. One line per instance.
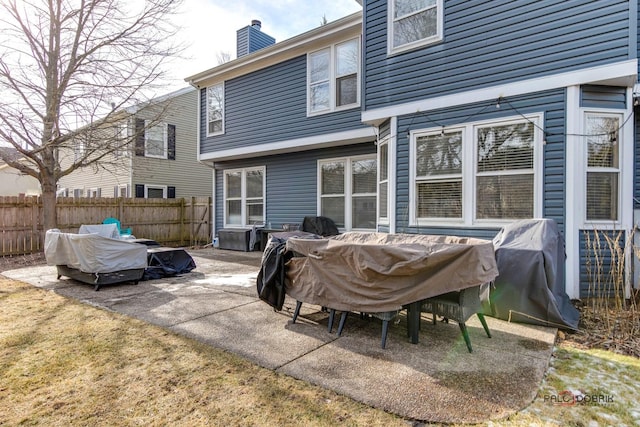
(256, 23)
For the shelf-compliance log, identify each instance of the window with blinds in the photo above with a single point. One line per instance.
(439, 175)
(603, 166)
(383, 183)
(505, 174)
(476, 172)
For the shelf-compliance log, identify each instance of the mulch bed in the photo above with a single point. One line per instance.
(613, 330)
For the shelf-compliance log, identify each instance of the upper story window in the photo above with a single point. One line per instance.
(215, 109)
(414, 23)
(333, 77)
(155, 139)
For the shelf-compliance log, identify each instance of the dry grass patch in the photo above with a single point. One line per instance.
(66, 363)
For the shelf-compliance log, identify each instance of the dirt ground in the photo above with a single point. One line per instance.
(594, 331)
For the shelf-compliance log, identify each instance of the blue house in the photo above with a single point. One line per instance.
(437, 117)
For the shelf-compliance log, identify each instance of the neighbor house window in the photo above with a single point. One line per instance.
(333, 77)
(155, 191)
(603, 166)
(121, 139)
(156, 140)
(347, 191)
(215, 109)
(94, 192)
(414, 23)
(477, 173)
(152, 191)
(244, 196)
(121, 190)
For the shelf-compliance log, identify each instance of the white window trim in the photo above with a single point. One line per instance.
(625, 171)
(221, 132)
(348, 192)
(165, 149)
(243, 196)
(392, 50)
(386, 141)
(469, 173)
(332, 79)
(155, 187)
(126, 190)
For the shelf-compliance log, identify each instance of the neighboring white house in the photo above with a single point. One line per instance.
(14, 183)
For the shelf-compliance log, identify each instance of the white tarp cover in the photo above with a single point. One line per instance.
(92, 253)
(378, 272)
(104, 230)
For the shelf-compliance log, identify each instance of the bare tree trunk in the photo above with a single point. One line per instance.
(49, 203)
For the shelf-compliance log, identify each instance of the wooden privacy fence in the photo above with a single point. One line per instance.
(170, 222)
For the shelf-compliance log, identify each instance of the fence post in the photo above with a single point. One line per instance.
(192, 221)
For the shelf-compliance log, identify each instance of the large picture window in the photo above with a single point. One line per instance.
(603, 166)
(477, 173)
(244, 196)
(347, 191)
(333, 77)
(414, 23)
(215, 109)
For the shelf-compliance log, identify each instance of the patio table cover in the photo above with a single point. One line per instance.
(379, 272)
(92, 253)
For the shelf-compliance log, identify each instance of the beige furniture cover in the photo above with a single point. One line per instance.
(93, 253)
(379, 272)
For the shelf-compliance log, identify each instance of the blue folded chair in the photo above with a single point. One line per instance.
(116, 221)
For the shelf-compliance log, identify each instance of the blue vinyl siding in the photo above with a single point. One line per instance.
(270, 105)
(250, 39)
(551, 103)
(487, 43)
(603, 97)
(596, 262)
(291, 182)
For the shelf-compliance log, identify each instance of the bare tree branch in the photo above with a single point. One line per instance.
(67, 70)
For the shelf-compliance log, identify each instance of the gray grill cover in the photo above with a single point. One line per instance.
(378, 272)
(530, 287)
